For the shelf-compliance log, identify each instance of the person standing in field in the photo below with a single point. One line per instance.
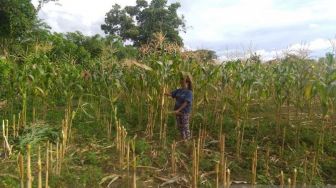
(183, 102)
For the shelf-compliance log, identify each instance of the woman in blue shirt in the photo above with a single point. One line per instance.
(183, 97)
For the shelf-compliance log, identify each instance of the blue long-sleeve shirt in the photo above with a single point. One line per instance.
(181, 96)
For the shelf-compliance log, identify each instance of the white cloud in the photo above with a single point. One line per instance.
(318, 45)
(241, 54)
(313, 26)
(72, 15)
(218, 24)
(315, 45)
(213, 23)
(268, 55)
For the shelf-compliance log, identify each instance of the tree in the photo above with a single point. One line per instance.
(42, 2)
(206, 55)
(138, 23)
(16, 18)
(19, 26)
(202, 55)
(68, 47)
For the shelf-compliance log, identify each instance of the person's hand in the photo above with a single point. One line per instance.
(177, 112)
(167, 94)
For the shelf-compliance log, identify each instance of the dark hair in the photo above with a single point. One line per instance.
(187, 78)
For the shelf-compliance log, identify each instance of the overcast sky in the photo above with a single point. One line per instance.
(267, 27)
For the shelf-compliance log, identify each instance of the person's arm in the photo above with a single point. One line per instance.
(178, 111)
(187, 100)
(171, 94)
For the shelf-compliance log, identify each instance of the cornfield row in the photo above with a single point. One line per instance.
(259, 123)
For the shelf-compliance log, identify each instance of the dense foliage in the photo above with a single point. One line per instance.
(291, 101)
(138, 23)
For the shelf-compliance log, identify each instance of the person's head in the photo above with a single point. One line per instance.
(186, 82)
